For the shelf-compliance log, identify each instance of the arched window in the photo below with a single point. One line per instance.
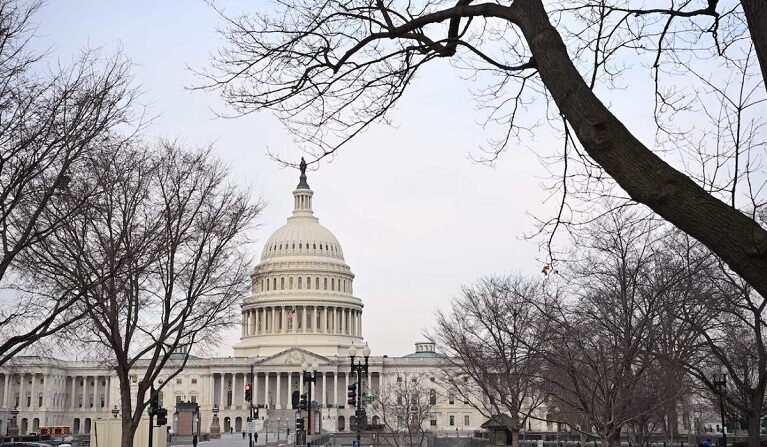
(290, 283)
(300, 283)
(261, 282)
(300, 246)
(332, 284)
(274, 284)
(314, 246)
(317, 283)
(308, 282)
(326, 283)
(432, 397)
(341, 423)
(282, 283)
(294, 245)
(267, 284)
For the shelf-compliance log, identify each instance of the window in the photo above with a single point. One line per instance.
(194, 381)
(399, 400)
(282, 283)
(432, 396)
(399, 379)
(178, 381)
(325, 283)
(308, 283)
(40, 401)
(317, 283)
(451, 420)
(178, 399)
(451, 399)
(300, 283)
(466, 420)
(549, 423)
(194, 399)
(433, 420)
(432, 379)
(290, 283)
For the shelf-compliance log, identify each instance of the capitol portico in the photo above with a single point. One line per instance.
(301, 310)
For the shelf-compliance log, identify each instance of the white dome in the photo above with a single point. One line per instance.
(302, 235)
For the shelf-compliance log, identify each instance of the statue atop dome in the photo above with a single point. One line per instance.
(302, 179)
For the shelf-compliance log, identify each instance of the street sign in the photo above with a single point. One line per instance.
(369, 399)
(250, 427)
(356, 443)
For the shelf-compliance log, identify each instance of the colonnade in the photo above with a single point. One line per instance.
(263, 320)
(275, 390)
(39, 391)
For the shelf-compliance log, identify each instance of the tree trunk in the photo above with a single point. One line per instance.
(515, 438)
(754, 427)
(129, 426)
(736, 238)
(756, 17)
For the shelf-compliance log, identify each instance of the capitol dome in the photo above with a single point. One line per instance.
(302, 294)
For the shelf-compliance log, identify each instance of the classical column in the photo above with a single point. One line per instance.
(222, 394)
(33, 393)
(324, 389)
(343, 321)
(74, 389)
(212, 389)
(324, 319)
(335, 388)
(96, 401)
(6, 390)
(261, 318)
(278, 401)
(360, 334)
(244, 326)
(295, 320)
(301, 382)
(306, 320)
(290, 390)
(85, 388)
(266, 389)
(255, 386)
(275, 321)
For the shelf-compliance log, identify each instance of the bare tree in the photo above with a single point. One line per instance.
(602, 370)
(330, 68)
(492, 336)
(49, 123)
(166, 233)
(403, 409)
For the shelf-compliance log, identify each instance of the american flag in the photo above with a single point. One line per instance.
(291, 314)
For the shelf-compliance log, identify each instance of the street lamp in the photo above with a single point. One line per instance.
(720, 382)
(115, 411)
(309, 377)
(359, 368)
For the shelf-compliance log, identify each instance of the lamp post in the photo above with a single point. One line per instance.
(252, 437)
(13, 424)
(309, 377)
(720, 382)
(358, 368)
(115, 411)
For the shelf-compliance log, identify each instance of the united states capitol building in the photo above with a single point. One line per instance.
(302, 310)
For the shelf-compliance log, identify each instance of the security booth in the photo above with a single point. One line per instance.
(497, 429)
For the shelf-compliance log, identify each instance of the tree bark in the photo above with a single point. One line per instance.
(756, 17)
(128, 426)
(754, 421)
(736, 238)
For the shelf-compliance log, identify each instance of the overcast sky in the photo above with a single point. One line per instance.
(416, 218)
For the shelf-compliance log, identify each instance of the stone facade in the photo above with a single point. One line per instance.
(302, 311)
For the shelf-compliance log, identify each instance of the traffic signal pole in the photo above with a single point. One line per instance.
(250, 404)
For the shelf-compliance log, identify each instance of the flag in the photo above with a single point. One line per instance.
(291, 313)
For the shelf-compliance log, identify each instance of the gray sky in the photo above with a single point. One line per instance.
(415, 216)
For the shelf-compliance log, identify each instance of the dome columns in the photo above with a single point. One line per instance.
(302, 319)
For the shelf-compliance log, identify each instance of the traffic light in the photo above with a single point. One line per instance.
(352, 394)
(162, 416)
(154, 402)
(248, 392)
(299, 423)
(303, 402)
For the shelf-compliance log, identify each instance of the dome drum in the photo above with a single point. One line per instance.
(302, 291)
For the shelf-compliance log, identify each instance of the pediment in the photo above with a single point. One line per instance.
(294, 357)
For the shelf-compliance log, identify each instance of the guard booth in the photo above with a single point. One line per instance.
(108, 433)
(497, 429)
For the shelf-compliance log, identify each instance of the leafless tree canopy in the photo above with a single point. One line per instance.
(493, 336)
(330, 68)
(403, 408)
(166, 232)
(50, 121)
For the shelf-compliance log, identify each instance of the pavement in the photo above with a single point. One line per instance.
(233, 441)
